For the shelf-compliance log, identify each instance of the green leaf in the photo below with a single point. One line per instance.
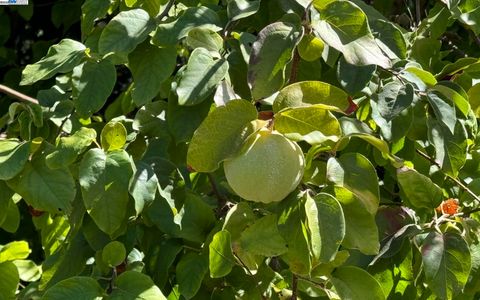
(443, 108)
(308, 93)
(394, 98)
(11, 220)
(419, 190)
(344, 26)
(183, 120)
(104, 181)
(389, 38)
(326, 224)
(310, 48)
(9, 280)
(474, 98)
(191, 270)
(28, 271)
(352, 283)
(423, 75)
(450, 149)
(292, 227)
(201, 77)
(151, 119)
(134, 285)
(197, 219)
(263, 238)
(360, 228)
(205, 38)
(91, 10)
(357, 174)
(114, 253)
(314, 125)
(75, 288)
(354, 78)
(239, 9)
(43, 188)
(61, 58)
(125, 31)
(143, 186)
(269, 57)
(221, 258)
(193, 17)
(150, 66)
(69, 148)
(113, 136)
(446, 263)
(13, 157)
(14, 251)
(92, 84)
(221, 135)
(456, 94)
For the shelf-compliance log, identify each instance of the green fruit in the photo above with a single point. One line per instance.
(268, 168)
(114, 253)
(310, 47)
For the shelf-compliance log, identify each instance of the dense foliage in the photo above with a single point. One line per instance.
(111, 174)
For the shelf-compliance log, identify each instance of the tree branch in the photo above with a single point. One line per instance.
(457, 181)
(294, 69)
(16, 94)
(165, 12)
(294, 287)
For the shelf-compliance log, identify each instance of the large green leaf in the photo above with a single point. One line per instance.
(205, 38)
(143, 186)
(113, 136)
(13, 251)
(352, 283)
(360, 228)
(193, 17)
(444, 109)
(263, 238)
(191, 270)
(344, 26)
(150, 67)
(450, 149)
(326, 224)
(446, 263)
(474, 98)
(357, 174)
(308, 93)
(125, 31)
(418, 189)
(239, 9)
(134, 285)
(92, 83)
(75, 288)
(9, 280)
(104, 180)
(28, 271)
(91, 10)
(221, 258)
(314, 125)
(292, 227)
(270, 55)
(44, 188)
(196, 219)
(13, 156)
(69, 148)
(61, 58)
(354, 78)
(221, 135)
(201, 77)
(394, 98)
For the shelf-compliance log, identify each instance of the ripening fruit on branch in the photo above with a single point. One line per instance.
(267, 169)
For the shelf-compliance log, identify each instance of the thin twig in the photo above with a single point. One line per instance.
(456, 180)
(294, 70)
(165, 12)
(221, 200)
(16, 94)
(294, 287)
(418, 12)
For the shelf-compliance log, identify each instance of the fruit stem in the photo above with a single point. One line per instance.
(294, 287)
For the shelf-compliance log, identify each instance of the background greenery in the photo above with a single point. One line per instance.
(111, 178)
